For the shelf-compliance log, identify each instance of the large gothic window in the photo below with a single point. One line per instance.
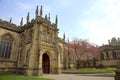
(5, 46)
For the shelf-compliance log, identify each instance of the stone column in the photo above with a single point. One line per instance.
(110, 55)
(33, 57)
(59, 68)
(40, 71)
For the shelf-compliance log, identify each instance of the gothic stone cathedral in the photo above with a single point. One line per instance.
(33, 48)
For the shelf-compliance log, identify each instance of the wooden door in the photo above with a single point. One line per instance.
(46, 63)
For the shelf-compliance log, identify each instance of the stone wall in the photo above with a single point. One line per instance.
(109, 63)
(9, 64)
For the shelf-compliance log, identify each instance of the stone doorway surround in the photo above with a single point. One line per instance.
(45, 63)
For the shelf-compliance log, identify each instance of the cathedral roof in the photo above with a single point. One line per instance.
(9, 26)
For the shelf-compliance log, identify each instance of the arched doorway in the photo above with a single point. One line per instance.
(46, 63)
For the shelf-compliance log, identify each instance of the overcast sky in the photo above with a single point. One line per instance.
(95, 20)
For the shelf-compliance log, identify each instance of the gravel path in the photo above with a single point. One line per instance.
(75, 77)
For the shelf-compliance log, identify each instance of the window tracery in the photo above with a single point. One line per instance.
(6, 46)
(114, 56)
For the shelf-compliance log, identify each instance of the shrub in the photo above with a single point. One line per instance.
(101, 66)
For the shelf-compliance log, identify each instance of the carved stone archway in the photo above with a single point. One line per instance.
(46, 63)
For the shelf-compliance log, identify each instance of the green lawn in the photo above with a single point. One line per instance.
(17, 77)
(92, 70)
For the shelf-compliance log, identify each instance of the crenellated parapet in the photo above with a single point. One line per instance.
(114, 41)
(9, 26)
(45, 21)
(108, 47)
(109, 54)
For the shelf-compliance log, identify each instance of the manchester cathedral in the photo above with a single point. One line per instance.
(33, 48)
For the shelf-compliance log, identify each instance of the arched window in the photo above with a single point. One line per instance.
(114, 55)
(101, 56)
(5, 46)
(107, 55)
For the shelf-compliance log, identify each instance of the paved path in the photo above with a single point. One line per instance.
(76, 77)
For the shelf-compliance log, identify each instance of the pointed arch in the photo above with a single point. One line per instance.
(46, 63)
(6, 45)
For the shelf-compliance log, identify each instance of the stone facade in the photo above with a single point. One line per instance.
(8, 31)
(70, 59)
(110, 54)
(35, 47)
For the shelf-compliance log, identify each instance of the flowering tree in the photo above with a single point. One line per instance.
(84, 50)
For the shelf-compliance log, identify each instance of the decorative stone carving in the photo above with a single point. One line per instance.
(21, 23)
(49, 17)
(30, 35)
(46, 16)
(21, 39)
(37, 11)
(10, 20)
(44, 34)
(56, 20)
(26, 52)
(27, 17)
(41, 12)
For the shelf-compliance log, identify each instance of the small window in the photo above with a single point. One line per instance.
(107, 55)
(114, 56)
(102, 56)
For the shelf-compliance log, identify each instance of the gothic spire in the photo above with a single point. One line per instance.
(21, 23)
(68, 41)
(56, 20)
(41, 11)
(28, 17)
(109, 42)
(49, 17)
(118, 39)
(46, 16)
(64, 36)
(10, 20)
(37, 11)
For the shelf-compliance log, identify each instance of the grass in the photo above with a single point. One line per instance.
(18, 77)
(92, 70)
